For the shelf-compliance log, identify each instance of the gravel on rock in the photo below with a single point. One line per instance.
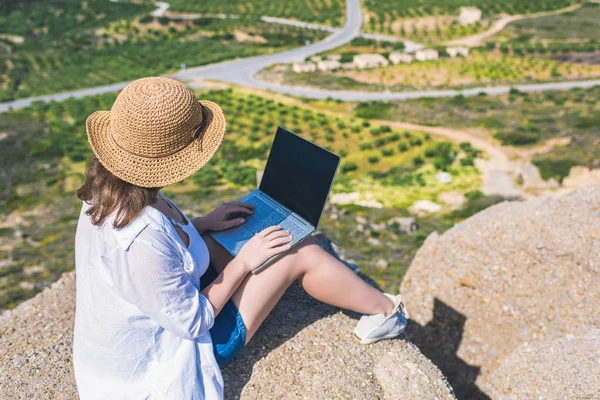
(558, 369)
(304, 350)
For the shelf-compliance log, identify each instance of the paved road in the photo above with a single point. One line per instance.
(242, 72)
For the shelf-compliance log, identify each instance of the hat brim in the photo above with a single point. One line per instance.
(154, 172)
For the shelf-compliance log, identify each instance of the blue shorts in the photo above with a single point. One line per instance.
(228, 332)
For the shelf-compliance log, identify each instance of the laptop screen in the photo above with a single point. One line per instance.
(299, 175)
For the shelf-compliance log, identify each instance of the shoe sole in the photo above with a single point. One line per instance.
(375, 340)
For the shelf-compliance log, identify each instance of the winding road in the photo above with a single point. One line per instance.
(242, 72)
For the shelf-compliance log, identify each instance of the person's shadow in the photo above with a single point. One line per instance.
(438, 341)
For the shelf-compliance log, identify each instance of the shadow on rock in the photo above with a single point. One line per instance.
(439, 341)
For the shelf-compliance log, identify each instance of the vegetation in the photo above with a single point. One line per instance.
(324, 12)
(562, 37)
(44, 148)
(436, 21)
(479, 69)
(49, 48)
(515, 119)
(581, 25)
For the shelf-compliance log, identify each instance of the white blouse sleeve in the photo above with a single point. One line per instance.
(150, 274)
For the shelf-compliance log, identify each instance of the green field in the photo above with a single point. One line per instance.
(79, 44)
(329, 12)
(519, 119)
(580, 25)
(568, 36)
(44, 148)
(435, 21)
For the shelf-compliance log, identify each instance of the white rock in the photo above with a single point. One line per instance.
(373, 242)
(425, 207)
(443, 177)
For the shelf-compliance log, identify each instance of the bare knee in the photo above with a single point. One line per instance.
(304, 256)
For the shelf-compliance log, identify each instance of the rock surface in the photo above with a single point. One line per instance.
(304, 350)
(516, 272)
(565, 368)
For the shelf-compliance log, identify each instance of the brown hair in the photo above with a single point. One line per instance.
(107, 194)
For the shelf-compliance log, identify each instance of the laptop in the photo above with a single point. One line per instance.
(292, 193)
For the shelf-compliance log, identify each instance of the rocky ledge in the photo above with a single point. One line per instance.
(517, 272)
(304, 350)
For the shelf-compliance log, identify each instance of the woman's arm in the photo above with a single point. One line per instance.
(260, 248)
(223, 287)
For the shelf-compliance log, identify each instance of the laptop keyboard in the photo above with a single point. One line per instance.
(266, 215)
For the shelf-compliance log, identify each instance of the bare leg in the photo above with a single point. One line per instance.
(321, 275)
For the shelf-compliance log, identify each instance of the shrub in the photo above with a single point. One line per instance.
(554, 168)
(402, 147)
(385, 129)
(365, 146)
(442, 163)
(379, 142)
(207, 177)
(474, 194)
(517, 138)
(387, 152)
(373, 160)
(240, 174)
(392, 137)
(467, 161)
(475, 205)
(349, 166)
(418, 161)
(466, 147)
(375, 131)
(416, 141)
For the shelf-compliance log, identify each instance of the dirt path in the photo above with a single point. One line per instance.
(498, 170)
(500, 24)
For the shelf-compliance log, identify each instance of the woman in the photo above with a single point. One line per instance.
(160, 305)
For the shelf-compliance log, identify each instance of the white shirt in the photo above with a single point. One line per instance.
(141, 324)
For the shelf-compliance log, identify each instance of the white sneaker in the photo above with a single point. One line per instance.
(373, 328)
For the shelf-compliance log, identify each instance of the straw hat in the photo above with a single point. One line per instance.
(156, 132)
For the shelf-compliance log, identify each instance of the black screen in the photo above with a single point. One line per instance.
(299, 174)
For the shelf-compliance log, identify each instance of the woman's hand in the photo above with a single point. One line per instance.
(264, 245)
(220, 218)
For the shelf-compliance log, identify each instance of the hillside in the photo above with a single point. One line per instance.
(463, 320)
(44, 149)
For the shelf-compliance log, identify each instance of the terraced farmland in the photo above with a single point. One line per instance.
(84, 44)
(328, 12)
(435, 21)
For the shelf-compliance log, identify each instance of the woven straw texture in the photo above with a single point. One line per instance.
(156, 132)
